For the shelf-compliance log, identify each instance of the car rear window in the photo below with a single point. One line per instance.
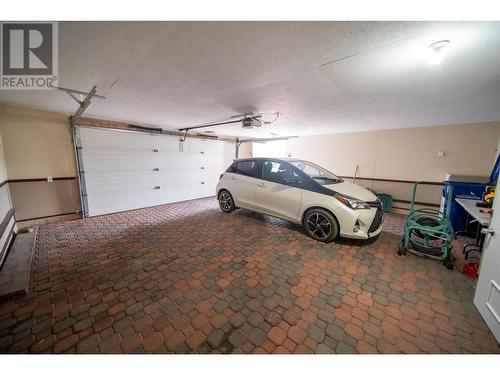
(246, 168)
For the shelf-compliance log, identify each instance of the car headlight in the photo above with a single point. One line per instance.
(355, 204)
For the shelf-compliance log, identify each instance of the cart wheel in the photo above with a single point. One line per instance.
(448, 263)
(401, 249)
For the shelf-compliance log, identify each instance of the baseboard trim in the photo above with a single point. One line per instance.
(40, 179)
(48, 216)
(433, 183)
(417, 203)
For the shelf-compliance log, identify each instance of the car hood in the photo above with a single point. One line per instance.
(352, 190)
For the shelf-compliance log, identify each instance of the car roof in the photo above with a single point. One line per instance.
(270, 158)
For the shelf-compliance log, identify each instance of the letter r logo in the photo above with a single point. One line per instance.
(27, 48)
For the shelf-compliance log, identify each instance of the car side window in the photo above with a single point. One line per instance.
(246, 168)
(280, 173)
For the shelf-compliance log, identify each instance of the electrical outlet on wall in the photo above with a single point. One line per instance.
(50, 179)
(440, 154)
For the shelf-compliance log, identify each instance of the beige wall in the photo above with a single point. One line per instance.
(404, 154)
(245, 150)
(37, 144)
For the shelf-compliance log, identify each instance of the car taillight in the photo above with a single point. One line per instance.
(222, 174)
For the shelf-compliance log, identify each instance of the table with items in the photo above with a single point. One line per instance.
(480, 215)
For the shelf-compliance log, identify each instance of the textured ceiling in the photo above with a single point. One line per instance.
(324, 77)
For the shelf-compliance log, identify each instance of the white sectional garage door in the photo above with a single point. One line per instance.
(127, 170)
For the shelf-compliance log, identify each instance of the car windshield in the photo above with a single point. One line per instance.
(318, 174)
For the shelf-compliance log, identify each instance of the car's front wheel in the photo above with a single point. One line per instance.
(321, 225)
(226, 202)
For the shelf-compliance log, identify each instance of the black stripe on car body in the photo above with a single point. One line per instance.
(307, 183)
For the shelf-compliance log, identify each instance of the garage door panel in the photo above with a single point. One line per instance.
(182, 160)
(102, 182)
(116, 140)
(106, 203)
(180, 177)
(144, 197)
(218, 162)
(215, 160)
(191, 191)
(125, 170)
(209, 146)
(211, 174)
(208, 190)
(200, 145)
(105, 160)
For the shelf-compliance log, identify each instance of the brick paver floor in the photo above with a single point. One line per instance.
(185, 277)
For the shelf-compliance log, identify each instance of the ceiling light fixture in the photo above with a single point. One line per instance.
(438, 51)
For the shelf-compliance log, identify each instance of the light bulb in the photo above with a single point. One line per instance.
(437, 51)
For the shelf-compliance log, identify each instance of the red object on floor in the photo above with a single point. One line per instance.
(470, 270)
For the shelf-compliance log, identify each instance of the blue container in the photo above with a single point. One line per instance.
(464, 187)
(386, 200)
(459, 189)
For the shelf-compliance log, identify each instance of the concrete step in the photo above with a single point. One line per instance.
(16, 270)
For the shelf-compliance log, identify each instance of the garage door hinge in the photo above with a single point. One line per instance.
(203, 183)
(202, 167)
(155, 150)
(202, 152)
(156, 169)
(156, 187)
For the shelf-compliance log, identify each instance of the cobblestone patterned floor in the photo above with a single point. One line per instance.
(185, 277)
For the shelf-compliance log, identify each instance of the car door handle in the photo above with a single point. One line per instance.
(261, 185)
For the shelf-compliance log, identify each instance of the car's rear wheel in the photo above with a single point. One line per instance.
(226, 201)
(321, 225)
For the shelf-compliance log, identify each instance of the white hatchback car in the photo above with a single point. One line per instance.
(304, 193)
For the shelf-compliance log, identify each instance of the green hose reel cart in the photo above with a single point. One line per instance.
(428, 232)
